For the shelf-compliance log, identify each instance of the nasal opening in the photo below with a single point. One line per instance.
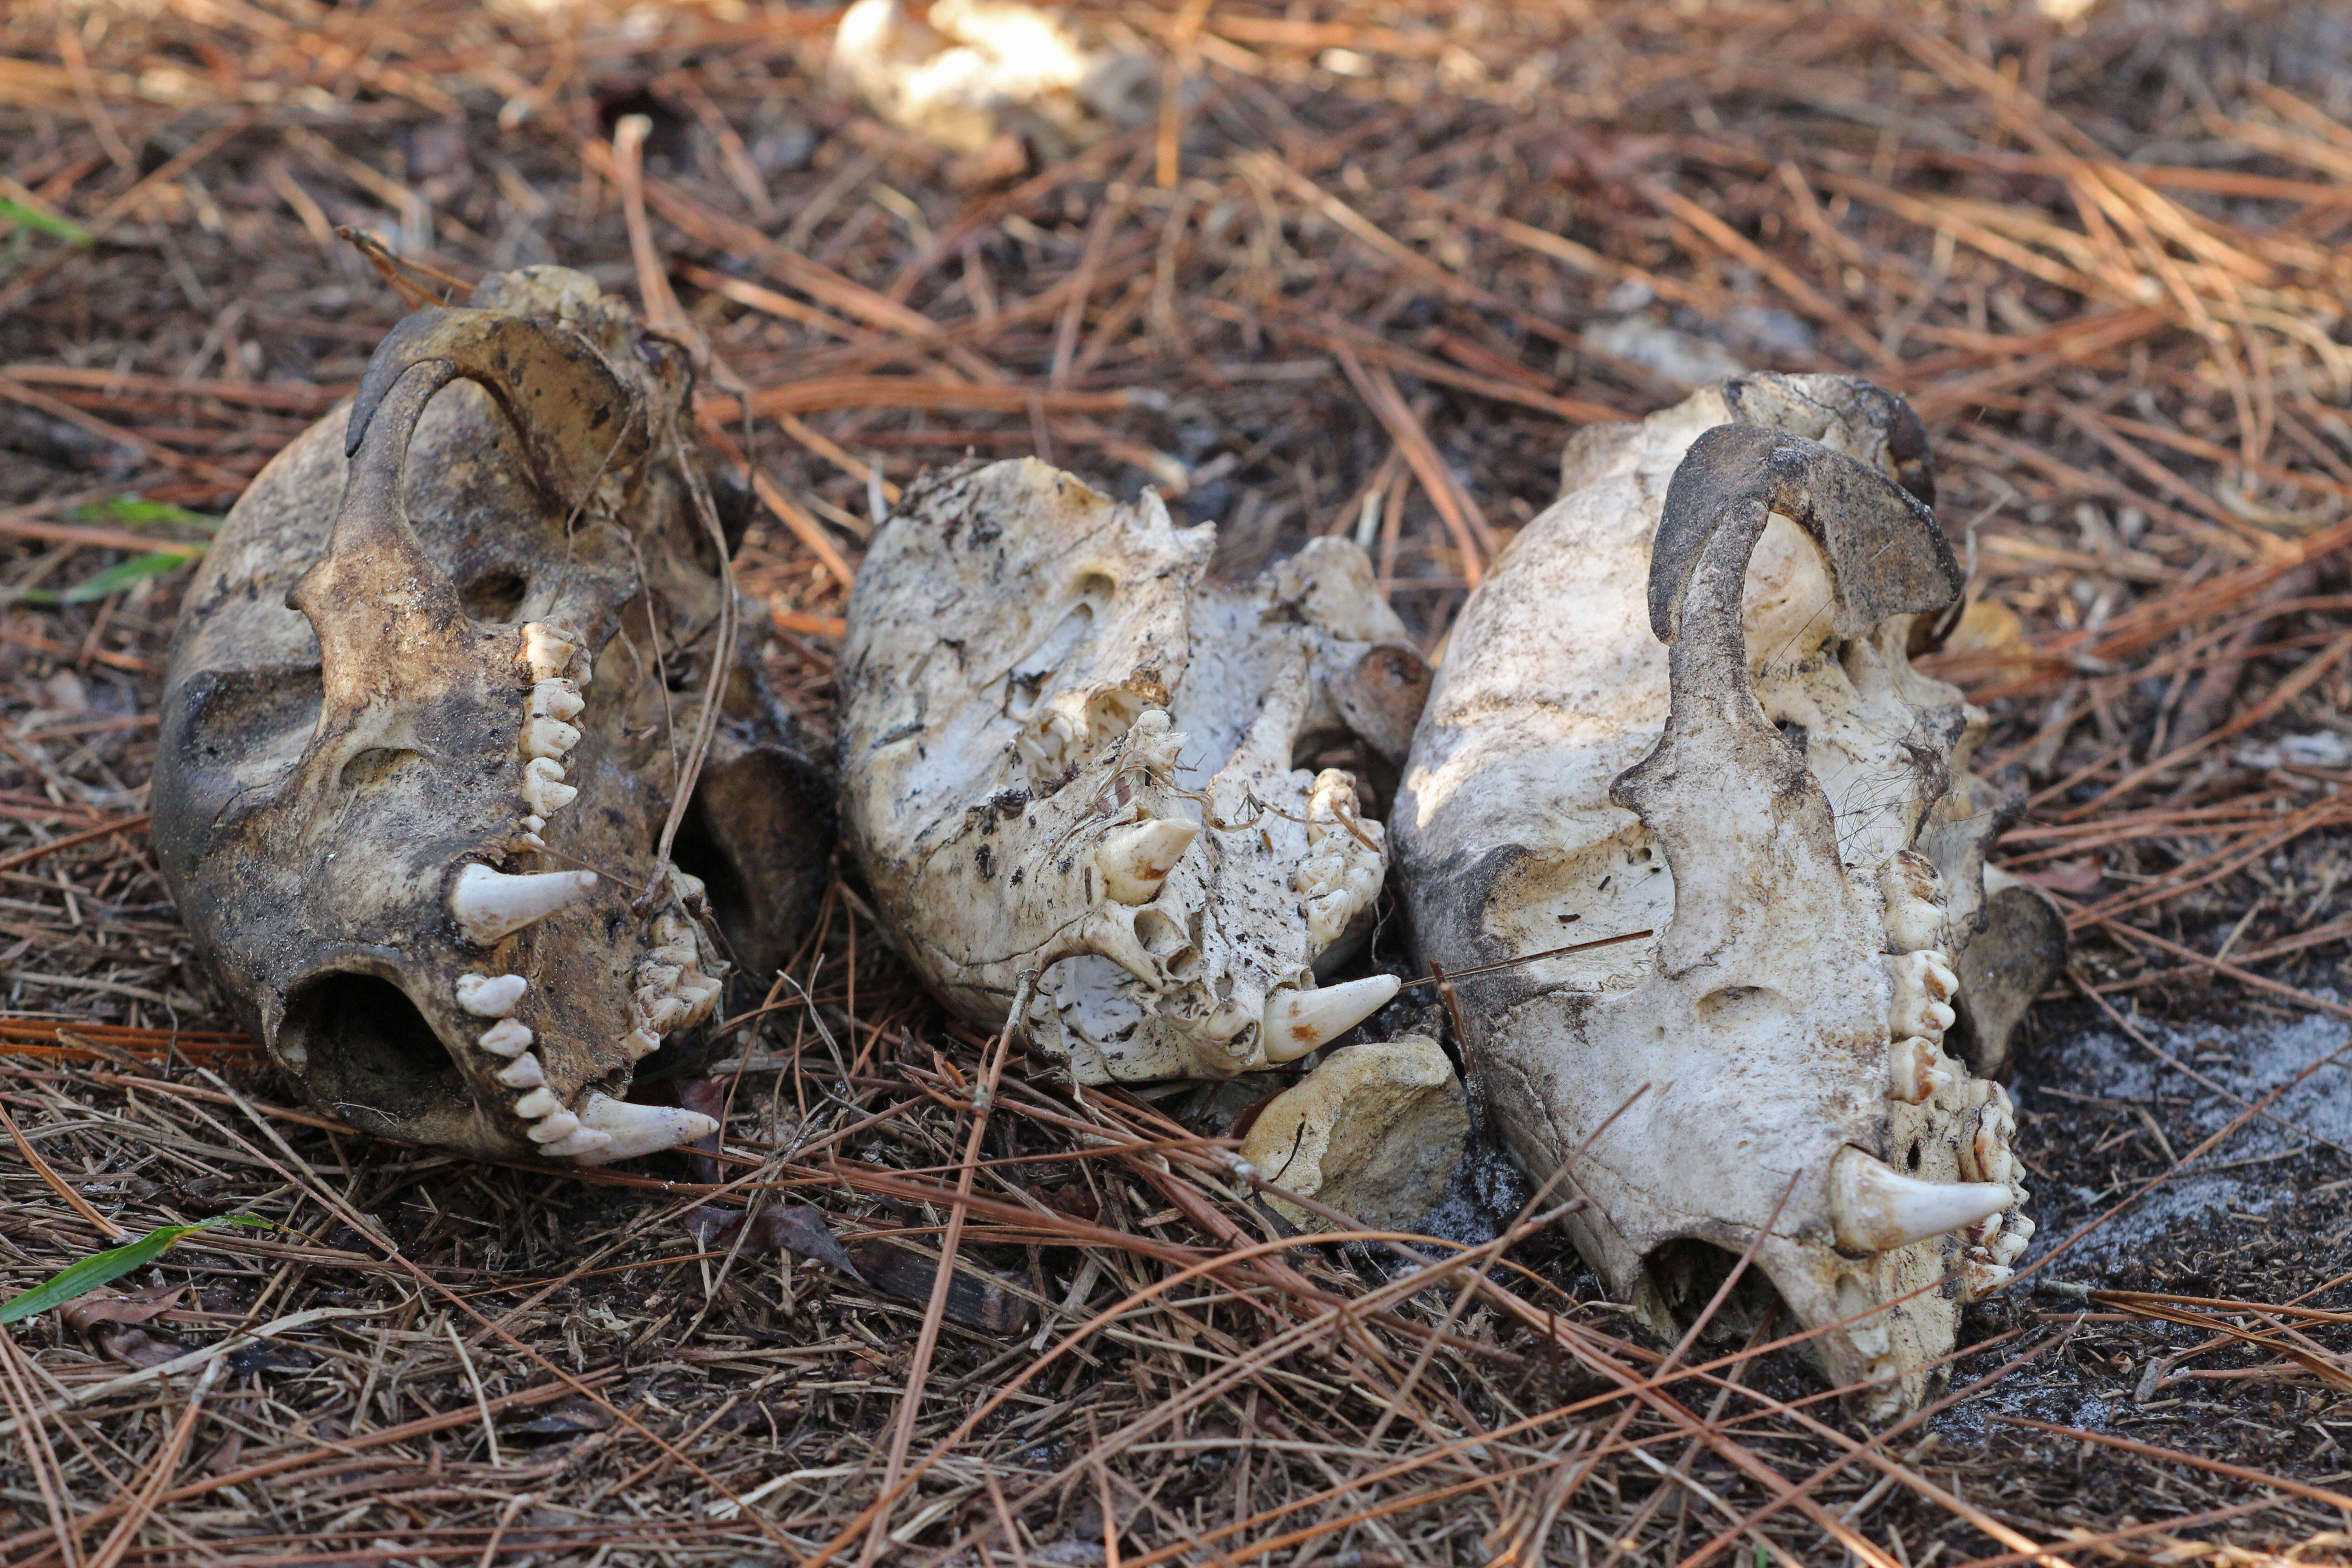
(360, 1044)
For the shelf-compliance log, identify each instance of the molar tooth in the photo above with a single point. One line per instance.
(491, 995)
(1980, 1277)
(1914, 900)
(505, 1038)
(556, 700)
(1297, 1022)
(640, 1128)
(1918, 1069)
(1135, 859)
(548, 651)
(700, 994)
(543, 789)
(663, 1013)
(548, 738)
(537, 1103)
(678, 954)
(658, 978)
(1876, 1209)
(522, 1074)
(640, 1044)
(1921, 982)
(555, 1127)
(489, 904)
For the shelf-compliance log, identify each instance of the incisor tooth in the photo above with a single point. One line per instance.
(556, 700)
(640, 1128)
(489, 904)
(1297, 1021)
(548, 738)
(491, 995)
(1135, 859)
(505, 1038)
(1876, 1209)
(522, 1073)
(543, 789)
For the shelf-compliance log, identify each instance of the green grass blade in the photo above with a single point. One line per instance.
(112, 1264)
(140, 513)
(50, 224)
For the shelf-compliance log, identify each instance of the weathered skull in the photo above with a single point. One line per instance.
(1063, 754)
(419, 747)
(1744, 762)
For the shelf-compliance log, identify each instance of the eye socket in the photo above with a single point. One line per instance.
(494, 595)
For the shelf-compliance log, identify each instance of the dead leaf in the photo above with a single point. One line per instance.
(797, 1228)
(708, 1096)
(137, 1347)
(86, 1312)
(566, 1418)
(2067, 875)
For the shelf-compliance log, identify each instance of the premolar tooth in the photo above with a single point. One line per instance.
(543, 789)
(1980, 1277)
(552, 1128)
(491, 995)
(548, 651)
(556, 700)
(537, 1103)
(1876, 1209)
(490, 905)
(640, 1128)
(1297, 1022)
(1135, 859)
(658, 978)
(1917, 1070)
(523, 1073)
(663, 1013)
(505, 1038)
(1921, 981)
(548, 738)
(700, 994)
(1914, 900)
(640, 1044)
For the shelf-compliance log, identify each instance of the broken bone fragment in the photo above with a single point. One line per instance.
(1681, 702)
(1070, 773)
(1375, 1131)
(967, 72)
(403, 718)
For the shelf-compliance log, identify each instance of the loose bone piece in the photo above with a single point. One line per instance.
(419, 743)
(1743, 761)
(1066, 756)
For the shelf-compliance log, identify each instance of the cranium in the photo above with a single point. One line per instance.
(1743, 762)
(1065, 756)
(420, 746)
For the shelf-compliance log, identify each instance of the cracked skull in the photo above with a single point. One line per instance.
(429, 706)
(1739, 772)
(1066, 756)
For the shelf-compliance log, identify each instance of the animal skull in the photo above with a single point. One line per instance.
(1743, 762)
(418, 745)
(1065, 756)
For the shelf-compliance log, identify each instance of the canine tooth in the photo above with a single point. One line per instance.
(555, 1127)
(641, 1129)
(543, 789)
(584, 1141)
(537, 1103)
(505, 1038)
(1919, 1070)
(640, 1044)
(1297, 1021)
(491, 995)
(1876, 1209)
(1135, 859)
(548, 738)
(548, 651)
(556, 700)
(523, 1073)
(489, 904)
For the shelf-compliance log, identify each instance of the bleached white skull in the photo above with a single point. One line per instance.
(424, 721)
(1681, 704)
(1066, 755)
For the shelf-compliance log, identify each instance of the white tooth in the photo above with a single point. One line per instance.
(491, 995)
(1135, 859)
(678, 954)
(505, 1038)
(533, 823)
(669, 929)
(543, 789)
(548, 651)
(491, 904)
(522, 1074)
(663, 1013)
(553, 1128)
(1921, 982)
(1914, 900)
(556, 700)
(1980, 1279)
(1876, 1209)
(640, 1128)
(548, 738)
(584, 1141)
(658, 978)
(1297, 1022)
(524, 842)
(536, 1103)
(1917, 1070)
(640, 1044)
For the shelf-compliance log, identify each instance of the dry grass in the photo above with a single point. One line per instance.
(1367, 272)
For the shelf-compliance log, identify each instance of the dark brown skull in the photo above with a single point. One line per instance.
(419, 748)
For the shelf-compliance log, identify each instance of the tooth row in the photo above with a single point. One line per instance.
(603, 1128)
(675, 989)
(559, 667)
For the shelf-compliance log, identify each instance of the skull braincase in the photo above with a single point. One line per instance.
(1681, 704)
(419, 709)
(1066, 755)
